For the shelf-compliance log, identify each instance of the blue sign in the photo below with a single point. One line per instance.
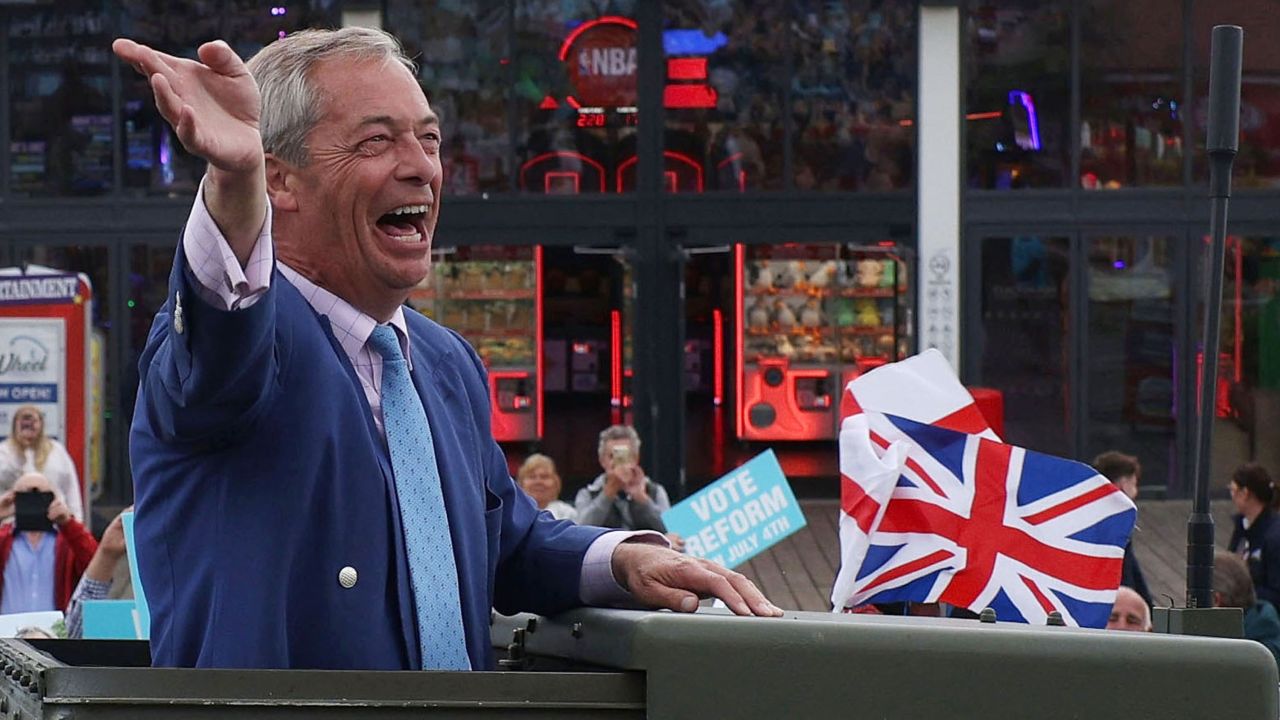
(142, 612)
(110, 620)
(29, 392)
(738, 516)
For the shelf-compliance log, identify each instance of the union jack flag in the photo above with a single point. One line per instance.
(931, 514)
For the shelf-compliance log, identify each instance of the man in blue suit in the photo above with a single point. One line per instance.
(316, 481)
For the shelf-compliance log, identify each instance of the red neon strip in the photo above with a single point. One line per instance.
(602, 20)
(971, 116)
(694, 68)
(742, 181)
(671, 180)
(739, 253)
(670, 155)
(537, 315)
(549, 177)
(573, 102)
(689, 96)
(560, 153)
(615, 357)
(728, 160)
(717, 356)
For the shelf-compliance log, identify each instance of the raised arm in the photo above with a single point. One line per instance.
(214, 106)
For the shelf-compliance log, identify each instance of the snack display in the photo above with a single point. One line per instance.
(811, 317)
(489, 294)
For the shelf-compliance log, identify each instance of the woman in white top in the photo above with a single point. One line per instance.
(28, 450)
(538, 477)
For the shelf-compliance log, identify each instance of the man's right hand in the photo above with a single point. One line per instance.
(214, 107)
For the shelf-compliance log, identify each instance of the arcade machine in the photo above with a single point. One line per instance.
(808, 319)
(492, 295)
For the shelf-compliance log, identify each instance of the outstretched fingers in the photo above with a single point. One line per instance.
(220, 58)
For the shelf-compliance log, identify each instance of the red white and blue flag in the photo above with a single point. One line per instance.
(936, 509)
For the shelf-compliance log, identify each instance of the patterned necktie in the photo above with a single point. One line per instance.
(432, 569)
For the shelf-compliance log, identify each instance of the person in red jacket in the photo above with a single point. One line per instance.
(39, 569)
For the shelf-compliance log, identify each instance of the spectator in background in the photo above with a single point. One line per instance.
(40, 569)
(1130, 612)
(538, 477)
(1232, 587)
(623, 496)
(1125, 471)
(1256, 534)
(97, 580)
(29, 450)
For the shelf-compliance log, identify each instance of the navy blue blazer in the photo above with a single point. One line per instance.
(259, 475)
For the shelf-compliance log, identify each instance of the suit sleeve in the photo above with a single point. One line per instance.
(539, 558)
(206, 371)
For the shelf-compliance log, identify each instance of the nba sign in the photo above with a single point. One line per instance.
(600, 57)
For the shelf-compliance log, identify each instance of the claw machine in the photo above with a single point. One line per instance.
(808, 319)
(492, 295)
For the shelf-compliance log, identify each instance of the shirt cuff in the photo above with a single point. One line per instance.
(91, 589)
(598, 586)
(220, 281)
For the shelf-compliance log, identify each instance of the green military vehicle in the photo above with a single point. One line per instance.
(593, 663)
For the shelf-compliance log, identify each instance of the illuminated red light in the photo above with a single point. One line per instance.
(548, 103)
(615, 357)
(717, 355)
(689, 96)
(687, 68)
(581, 348)
(603, 20)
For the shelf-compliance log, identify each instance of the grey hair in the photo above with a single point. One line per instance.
(1231, 579)
(618, 432)
(290, 103)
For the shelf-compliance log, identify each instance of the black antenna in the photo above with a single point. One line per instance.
(1223, 140)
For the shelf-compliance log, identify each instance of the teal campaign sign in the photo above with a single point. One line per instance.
(110, 620)
(738, 516)
(142, 614)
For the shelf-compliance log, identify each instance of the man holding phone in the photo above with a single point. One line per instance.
(622, 496)
(43, 552)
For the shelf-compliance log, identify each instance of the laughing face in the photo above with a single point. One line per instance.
(359, 217)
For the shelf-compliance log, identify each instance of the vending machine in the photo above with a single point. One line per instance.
(492, 295)
(808, 319)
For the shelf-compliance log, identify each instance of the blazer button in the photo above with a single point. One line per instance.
(347, 577)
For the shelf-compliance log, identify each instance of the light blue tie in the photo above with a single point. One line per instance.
(432, 569)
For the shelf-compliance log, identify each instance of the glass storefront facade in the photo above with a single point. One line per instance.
(674, 135)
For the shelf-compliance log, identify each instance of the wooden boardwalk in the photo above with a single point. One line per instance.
(797, 573)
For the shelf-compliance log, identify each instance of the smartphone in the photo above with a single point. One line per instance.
(621, 455)
(31, 511)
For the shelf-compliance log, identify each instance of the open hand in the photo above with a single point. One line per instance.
(662, 578)
(213, 104)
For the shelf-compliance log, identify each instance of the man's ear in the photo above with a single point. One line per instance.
(282, 184)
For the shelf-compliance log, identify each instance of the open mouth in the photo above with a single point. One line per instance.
(407, 223)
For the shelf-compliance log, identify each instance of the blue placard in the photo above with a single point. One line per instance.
(110, 620)
(142, 612)
(738, 516)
